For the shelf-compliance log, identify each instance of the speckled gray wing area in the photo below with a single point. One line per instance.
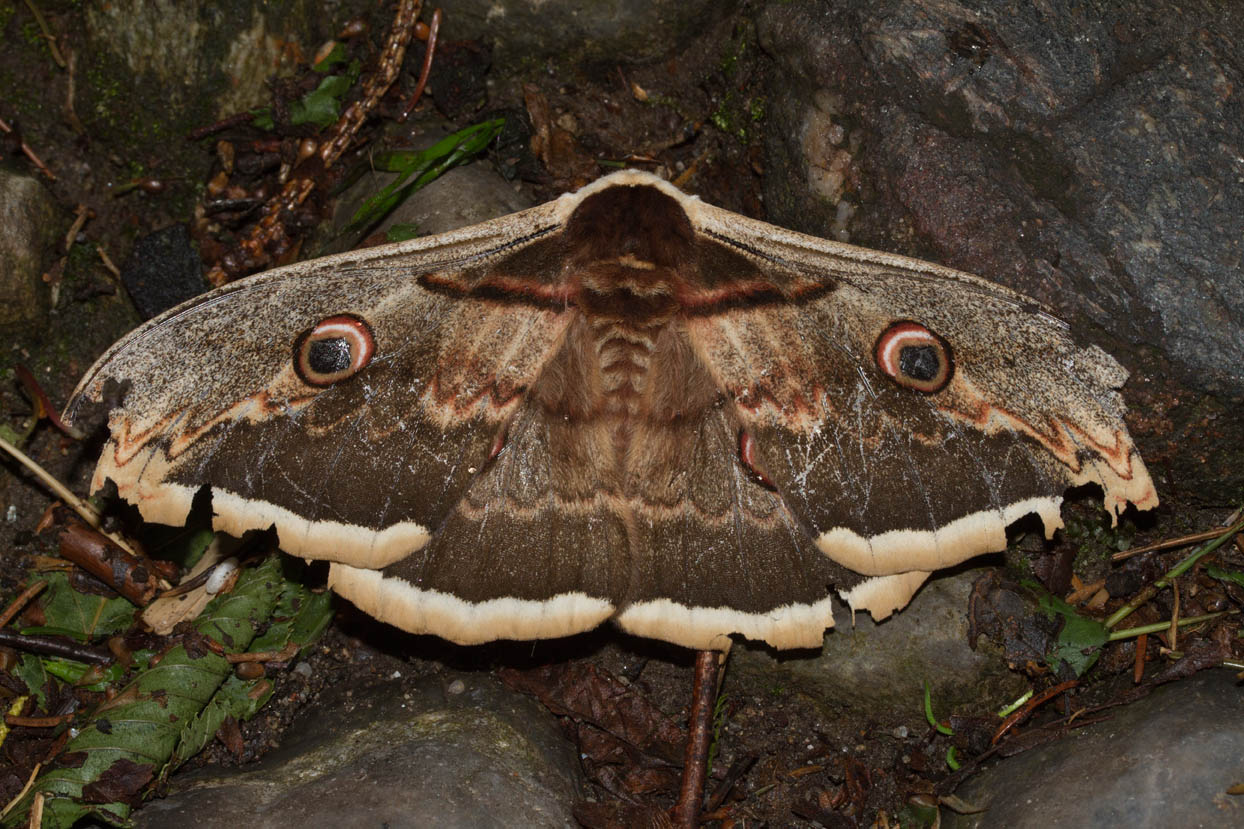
(891, 480)
(364, 470)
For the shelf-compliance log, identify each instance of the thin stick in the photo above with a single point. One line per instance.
(17, 604)
(1172, 574)
(54, 646)
(686, 812)
(1182, 541)
(30, 153)
(433, 28)
(83, 508)
(30, 781)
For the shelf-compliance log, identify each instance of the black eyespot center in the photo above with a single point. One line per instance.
(329, 356)
(919, 362)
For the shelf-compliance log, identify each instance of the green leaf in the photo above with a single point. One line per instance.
(322, 105)
(1233, 576)
(142, 725)
(70, 613)
(416, 169)
(299, 616)
(1079, 641)
(30, 670)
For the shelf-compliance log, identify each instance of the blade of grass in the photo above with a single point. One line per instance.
(424, 166)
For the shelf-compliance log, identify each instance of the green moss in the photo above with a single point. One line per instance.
(735, 50)
(739, 116)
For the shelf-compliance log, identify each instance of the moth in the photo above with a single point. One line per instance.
(624, 404)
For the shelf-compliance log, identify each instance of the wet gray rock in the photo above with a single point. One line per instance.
(1087, 156)
(30, 227)
(1166, 760)
(192, 53)
(879, 669)
(453, 751)
(527, 33)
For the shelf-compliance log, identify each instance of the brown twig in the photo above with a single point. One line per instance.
(433, 28)
(43, 406)
(1181, 541)
(738, 768)
(686, 811)
(83, 214)
(15, 606)
(1138, 667)
(71, 115)
(1031, 705)
(283, 655)
(269, 233)
(218, 126)
(1085, 591)
(108, 263)
(30, 781)
(47, 35)
(30, 153)
(37, 722)
(54, 646)
(97, 554)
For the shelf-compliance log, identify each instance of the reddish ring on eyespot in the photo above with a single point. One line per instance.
(747, 454)
(334, 349)
(914, 357)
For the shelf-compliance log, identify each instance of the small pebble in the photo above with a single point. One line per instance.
(303, 668)
(456, 687)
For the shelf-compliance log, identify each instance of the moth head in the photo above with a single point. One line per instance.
(914, 357)
(334, 349)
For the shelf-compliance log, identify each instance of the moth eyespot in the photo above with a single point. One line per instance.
(914, 357)
(334, 349)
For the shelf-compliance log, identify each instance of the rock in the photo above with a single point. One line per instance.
(527, 33)
(150, 73)
(879, 669)
(30, 225)
(1089, 161)
(1166, 760)
(186, 49)
(163, 270)
(394, 755)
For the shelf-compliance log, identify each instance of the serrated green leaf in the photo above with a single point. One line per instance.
(82, 616)
(143, 724)
(312, 618)
(235, 698)
(1080, 639)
